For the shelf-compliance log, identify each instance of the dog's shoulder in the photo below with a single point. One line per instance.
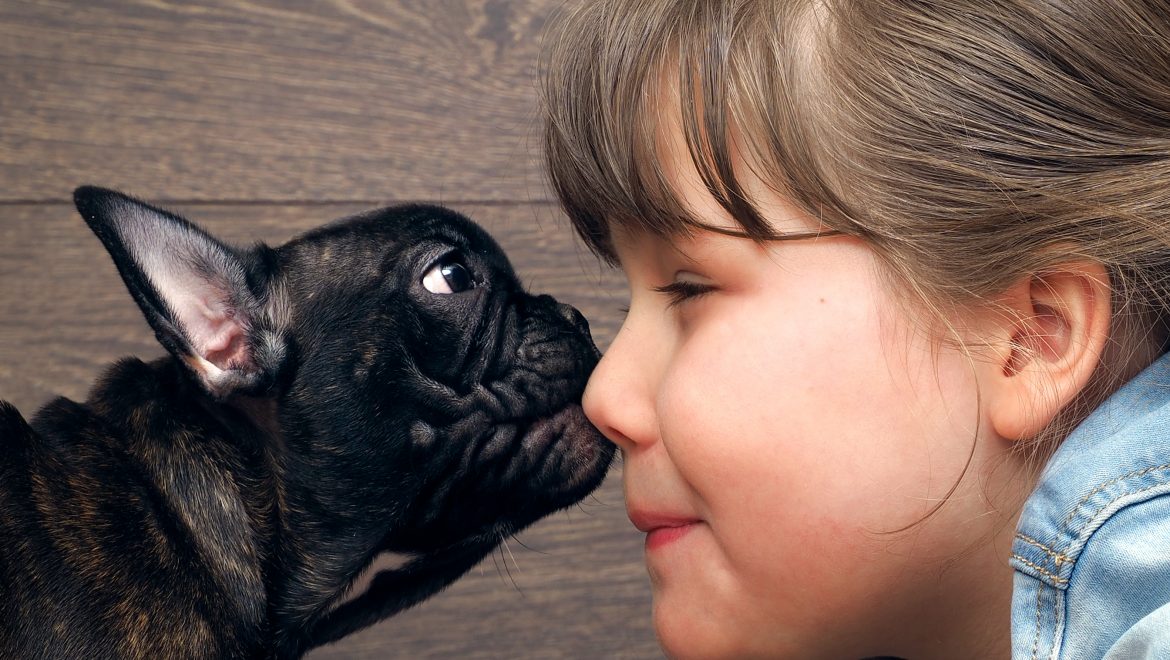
(141, 390)
(90, 446)
(14, 429)
(110, 499)
(65, 424)
(60, 423)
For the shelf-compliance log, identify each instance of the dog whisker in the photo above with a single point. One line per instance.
(527, 547)
(504, 546)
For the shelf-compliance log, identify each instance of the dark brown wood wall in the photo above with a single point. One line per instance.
(260, 119)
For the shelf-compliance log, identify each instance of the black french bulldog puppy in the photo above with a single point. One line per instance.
(382, 383)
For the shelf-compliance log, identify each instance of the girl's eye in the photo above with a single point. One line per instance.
(680, 291)
(449, 275)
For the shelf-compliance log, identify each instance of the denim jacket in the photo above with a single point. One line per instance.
(1092, 549)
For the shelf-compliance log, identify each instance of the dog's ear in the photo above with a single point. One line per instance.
(196, 293)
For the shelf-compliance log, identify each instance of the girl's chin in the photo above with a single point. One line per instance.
(690, 631)
(690, 625)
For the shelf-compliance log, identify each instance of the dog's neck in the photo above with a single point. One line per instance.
(304, 581)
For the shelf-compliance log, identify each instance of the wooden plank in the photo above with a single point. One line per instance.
(272, 100)
(581, 591)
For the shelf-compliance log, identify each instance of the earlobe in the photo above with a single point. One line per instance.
(1052, 335)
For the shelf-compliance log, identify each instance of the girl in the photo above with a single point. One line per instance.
(884, 257)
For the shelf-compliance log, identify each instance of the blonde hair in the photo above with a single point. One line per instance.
(968, 147)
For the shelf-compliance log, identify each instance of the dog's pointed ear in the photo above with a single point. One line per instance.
(196, 293)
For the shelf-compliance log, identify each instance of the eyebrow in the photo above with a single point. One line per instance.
(776, 236)
(803, 235)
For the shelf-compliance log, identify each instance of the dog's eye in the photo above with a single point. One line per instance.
(449, 275)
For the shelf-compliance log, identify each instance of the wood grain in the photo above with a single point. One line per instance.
(272, 100)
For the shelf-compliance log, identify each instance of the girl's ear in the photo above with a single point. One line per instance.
(1046, 345)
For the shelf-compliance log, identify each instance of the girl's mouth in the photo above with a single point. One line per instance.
(663, 536)
(661, 529)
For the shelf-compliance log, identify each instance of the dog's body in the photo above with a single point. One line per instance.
(381, 384)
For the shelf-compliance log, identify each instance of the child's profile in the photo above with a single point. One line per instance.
(892, 378)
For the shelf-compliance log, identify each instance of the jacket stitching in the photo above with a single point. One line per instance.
(1039, 569)
(1036, 639)
(1061, 557)
(1057, 557)
(1137, 473)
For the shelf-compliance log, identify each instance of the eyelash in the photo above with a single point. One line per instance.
(680, 291)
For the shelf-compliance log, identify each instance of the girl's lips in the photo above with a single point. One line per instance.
(662, 536)
(661, 529)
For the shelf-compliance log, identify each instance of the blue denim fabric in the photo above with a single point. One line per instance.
(1092, 549)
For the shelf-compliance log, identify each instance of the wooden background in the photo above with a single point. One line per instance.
(259, 119)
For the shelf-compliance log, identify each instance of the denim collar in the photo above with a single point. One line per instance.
(1118, 456)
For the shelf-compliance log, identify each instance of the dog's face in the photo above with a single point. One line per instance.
(423, 400)
(450, 395)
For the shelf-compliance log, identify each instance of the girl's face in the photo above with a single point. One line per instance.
(786, 430)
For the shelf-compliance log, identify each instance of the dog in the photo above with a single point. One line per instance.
(381, 384)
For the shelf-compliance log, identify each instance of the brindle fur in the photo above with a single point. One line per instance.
(192, 511)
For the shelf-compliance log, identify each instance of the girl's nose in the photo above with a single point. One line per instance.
(620, 394)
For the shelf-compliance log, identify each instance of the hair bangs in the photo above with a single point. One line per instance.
(600, 129)
(617, 70)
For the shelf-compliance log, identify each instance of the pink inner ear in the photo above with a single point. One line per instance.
(228, 347)
(214, 330)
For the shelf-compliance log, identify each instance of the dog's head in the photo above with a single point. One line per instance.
(423, 398)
